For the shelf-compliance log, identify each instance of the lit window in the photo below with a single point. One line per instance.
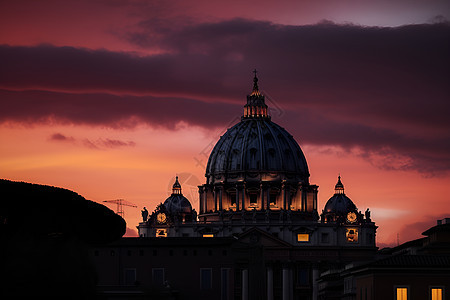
(208, 235)
(303, 237)
(436, 293)
(161, 233)
(352, 235)
(402, 293)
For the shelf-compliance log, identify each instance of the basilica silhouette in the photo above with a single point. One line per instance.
(258, 232)
(259, 206)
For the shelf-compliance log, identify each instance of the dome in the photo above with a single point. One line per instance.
(256, 145)
(177, 203)
(339, 204)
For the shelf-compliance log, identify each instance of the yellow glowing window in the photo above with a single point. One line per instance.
(402, 293)
(208, 235)
(303, 237)
(161, 233)
(436, 293)
(352, 235)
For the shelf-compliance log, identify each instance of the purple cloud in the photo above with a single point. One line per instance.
(61, 138)
(383, 91)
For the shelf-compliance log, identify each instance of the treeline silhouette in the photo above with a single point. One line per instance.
(45, 235)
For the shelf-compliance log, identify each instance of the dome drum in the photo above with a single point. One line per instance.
(257, 195)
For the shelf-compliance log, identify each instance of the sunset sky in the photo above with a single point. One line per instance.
(112, 99)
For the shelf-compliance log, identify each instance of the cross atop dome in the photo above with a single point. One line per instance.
(256, 106)
(255, 85)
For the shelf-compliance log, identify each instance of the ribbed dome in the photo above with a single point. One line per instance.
(177, 203)
(339, 204)
(257, 145)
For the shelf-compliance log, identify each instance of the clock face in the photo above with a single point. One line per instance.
(161, 217)
(351, 217)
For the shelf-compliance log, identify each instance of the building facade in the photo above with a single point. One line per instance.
(257, 177)
(418, 269)
(258, 206)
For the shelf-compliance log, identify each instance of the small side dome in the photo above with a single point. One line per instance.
(177, 203)
(339, 203)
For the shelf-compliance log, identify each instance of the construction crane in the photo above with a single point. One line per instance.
(120, 204)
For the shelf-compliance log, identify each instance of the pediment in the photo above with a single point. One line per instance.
(263, 238)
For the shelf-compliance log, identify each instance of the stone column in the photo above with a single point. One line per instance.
(201, 197)
(269, 283)
(291, 283)
(315, 198)
(288, 197)
(215, 197)
(315, 277)
(243, 198)
(220, 197)
(286, 283)
(205, 199)
(244, 284)
(283, 187)
(237, 197)
(304, 199)
(262, 195)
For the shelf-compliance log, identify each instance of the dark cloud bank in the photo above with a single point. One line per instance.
(384, 91)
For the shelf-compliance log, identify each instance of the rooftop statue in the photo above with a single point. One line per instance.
(144, 213)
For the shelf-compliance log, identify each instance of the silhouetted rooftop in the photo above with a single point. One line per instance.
(414, 261)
